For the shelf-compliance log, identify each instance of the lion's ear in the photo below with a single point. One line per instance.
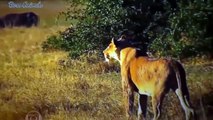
(115, 42)
(112, 41)
(123, 37)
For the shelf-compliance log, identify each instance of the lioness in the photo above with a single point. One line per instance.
(148, 77)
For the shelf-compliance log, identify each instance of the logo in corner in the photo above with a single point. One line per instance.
(33, 115)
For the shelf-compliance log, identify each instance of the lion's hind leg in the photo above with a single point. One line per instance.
(142, 106)
(184, 101)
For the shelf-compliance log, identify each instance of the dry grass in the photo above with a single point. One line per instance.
(34, 80)
(85, 89)
(64, 89)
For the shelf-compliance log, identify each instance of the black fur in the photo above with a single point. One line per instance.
(128, 41)
(1, 23)
(27, 19)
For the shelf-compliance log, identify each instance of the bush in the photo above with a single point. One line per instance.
(97, 22)
(53, 42)
(167, 28)
(188, 33)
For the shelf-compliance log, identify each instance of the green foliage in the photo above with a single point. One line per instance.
(181, 32)
(53, 42)
(97, 21)
(189, 32)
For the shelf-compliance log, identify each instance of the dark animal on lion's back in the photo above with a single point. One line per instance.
(27, 19)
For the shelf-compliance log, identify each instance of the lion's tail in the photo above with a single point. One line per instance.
(182, 90)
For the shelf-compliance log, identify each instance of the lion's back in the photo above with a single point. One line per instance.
(144, 70)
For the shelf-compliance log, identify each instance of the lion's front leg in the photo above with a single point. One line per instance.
(128, 94)
(130, 102)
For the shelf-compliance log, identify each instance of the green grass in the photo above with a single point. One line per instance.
(85, 89)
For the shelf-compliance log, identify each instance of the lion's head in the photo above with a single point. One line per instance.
(111, 51)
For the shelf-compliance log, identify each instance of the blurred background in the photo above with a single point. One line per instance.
(56, 67)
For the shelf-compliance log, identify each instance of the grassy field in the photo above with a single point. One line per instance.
(86, 89)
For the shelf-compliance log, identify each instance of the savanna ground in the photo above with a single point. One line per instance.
(64, 89)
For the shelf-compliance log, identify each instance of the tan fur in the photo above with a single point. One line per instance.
(150, 77)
